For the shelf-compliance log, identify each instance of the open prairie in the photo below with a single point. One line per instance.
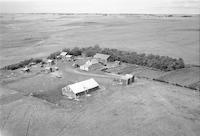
(35, 35)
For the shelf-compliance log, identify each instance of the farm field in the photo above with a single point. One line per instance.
(31, 103)
(142, 108)
(185, 77)
(24, 36)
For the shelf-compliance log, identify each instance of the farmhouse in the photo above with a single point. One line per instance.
(80, 62)
(73, 90)
(101, 57)
(92, 64)
(85, 67)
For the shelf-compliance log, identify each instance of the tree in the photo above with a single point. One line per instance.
(76, 51)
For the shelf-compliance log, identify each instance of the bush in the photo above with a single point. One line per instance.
(54, 55)
(22, 64)
(76, 51)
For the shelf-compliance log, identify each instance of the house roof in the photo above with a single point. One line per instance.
(101, 56)
(63, 53)
(81, 61)
(83, 86)
(94, 61)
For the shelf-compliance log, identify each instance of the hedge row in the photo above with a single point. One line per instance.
(22, 64)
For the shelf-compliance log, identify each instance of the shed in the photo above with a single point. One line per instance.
(73, 90)
(48, 69)
(125, 79)
(56, 68)
(117, 62)
(101, 57)
(26, 69)
(50, 61)
(32, 63)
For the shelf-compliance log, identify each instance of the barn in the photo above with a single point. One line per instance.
(101, 57)
(73, 90)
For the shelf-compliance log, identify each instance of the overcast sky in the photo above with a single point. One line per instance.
(101, 6)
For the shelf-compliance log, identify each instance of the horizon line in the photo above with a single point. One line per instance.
(98, 13)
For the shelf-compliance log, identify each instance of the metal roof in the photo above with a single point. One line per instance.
(25, 69)
(127, 76)
(68, 56)
(101, 56)
(63, 53)
(83, 86)
(49, 60)
(81, 61)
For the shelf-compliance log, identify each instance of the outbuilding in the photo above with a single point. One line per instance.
(69, 57)
(26, 69)
(50, 62)
(73, 90)
(63, 54)
(125, 79)
(48, 69)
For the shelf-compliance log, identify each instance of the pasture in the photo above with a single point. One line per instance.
(142, 108)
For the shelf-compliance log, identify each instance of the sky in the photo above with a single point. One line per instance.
(101, 6)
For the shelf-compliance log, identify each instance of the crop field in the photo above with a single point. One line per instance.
(185, 77)
(24, 36)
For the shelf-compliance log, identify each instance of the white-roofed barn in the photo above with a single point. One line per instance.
(73, 90)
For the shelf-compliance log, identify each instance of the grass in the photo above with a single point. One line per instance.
(114, 110)
(188, 77)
